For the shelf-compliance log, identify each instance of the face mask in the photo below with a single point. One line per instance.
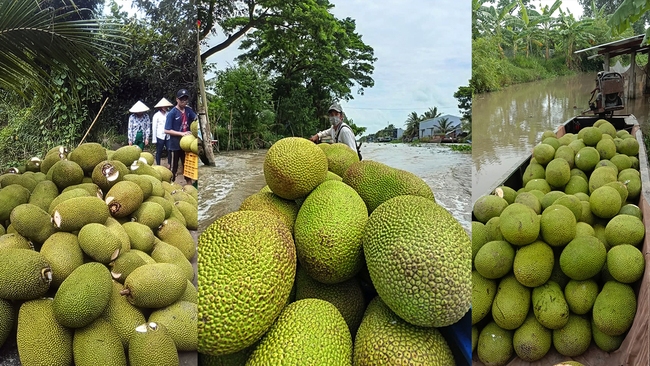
(334, 120)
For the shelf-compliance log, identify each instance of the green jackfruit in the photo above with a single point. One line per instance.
(336, 209)
(154, 285)
(99, 243)
(625, 263)
(124, 198)
(614, 308)
(41, 340)
(150, 214)
(489, 206)
(605, 342)
(74, 213)
(123, 316)
(7, 320)
(479, 237)
(268, 201)
(511, 303)
(549, 305)
(529, 199)
(141, 236)
(190, 293)
(92, 188)
(164, 203)
(43, 194)
(66, 173)
(127, 154)
(173, 232)
(580, 295)
(32, 222)
(190, 213)
(533, 171)
(558, 172)
(483, 292)
(77, 192)
(24, 274)
(624, 229)
(558, 225)
(166, 253)
(125, 263)
(424, 233)
(144, 184)
(98, 344)
(15, 240)
(533, 264)
(62, 252)
(519, 224)
(165, 173)
(376, 183)
(543, 153)
(532, 340)
(495, 346)
(88, 155)
(50, 159)
(10, 197)
(152, 346)
(142, 168)
(310, 331)
(574, 338)
(494, 259)
(339, 158)
(83, 295)
(107, 173)
(180, 320)
(583, 257)
(118, 231)
(228, 252)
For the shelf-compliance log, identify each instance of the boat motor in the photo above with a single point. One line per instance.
(607, 97)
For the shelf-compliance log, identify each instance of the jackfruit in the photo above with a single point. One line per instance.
(229, 253)
(494, 259)
(533, 264)
(495, 345)
(571, 202)
(507, 193)
(479, 237)
(118, 231)
(32, 222)
(107, 173)
(99, 243)
(605, 342)
(125, 263)
(180, 320)
(15, 240)
(270, 202)
(150, 214)
(166, 253)
(144, 184)
(605, 202)
(83, 295)
(347, 296)
(310, 331)
(124, 198)
(558, 225)
(24, 274)
(62, 252)
(483, 292)
(10, 197)
(127, 154)
(154, 285)
(423, 232)
(625, 263)
(550, 197)
(98, 344)
(190, 293)
(152, 346)
(629, 147)
(543, 153)
(165, 173)
(164, 203)
(621, 161)
(43, 194)
(587, 158)
(41, 340)
(533, 171)
(66, 173)
(334, 208)
(614, 308)
(140, 236)
(190, 213)
(583, 258)
(532, 340)
(530, 200)
(123, 316)
(558, 172)
(519, 224)
(606, 148)
(87, 156)
(566, 153)
(511, 303)
(74, 213)
(50, 159)
(549, 306)
(574, 338)
(624, 229)
(143, 169)
(174, 233)
(293, 167)
(538, 184)
(339, 158)
(72, 193)
(580, 295)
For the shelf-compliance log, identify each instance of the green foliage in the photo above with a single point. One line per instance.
(466, 148)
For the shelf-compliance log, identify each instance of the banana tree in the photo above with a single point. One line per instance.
(629, 12)
(548, 24)
(574, 34)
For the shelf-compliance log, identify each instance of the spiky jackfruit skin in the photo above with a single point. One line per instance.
(99, 243)
(127, 154)
(117, 229)
(98, 344)
(144, 183)
(235, 266)
(166, 253)
(152, 347)
(339, 158)
(549, 305)
(270, 202)
(347, 296)
(140, 236)
(293, 167)
(157, 189)
(190, 213)
(72, 193)
(310, 332)
(376, 183)
(7, 319)
(83, 295)
(15, 240)
(511, 303)
(74, 213)
(180, 320)
(483, 292)
(24, 274)
(165, 173)
(125, 263)
(32, 222)
(150, 214)
(66, 173)
(141, 168)
(41, 340)
(88, 155)
(155, 285)
(43, 194)
(574, 338)
(386, 339)
(533, 264)
(531, 341)
(175, 233)
(124, 198)
(107, 173)
(50, 159)
(63, 254)
(494, 345)
(123, 316)
(164, 203)
(430, 239)
(489, 206)
(614, 308)
(10, 197)
(328, 232)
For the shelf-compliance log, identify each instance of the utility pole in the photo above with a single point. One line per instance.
(204, 123)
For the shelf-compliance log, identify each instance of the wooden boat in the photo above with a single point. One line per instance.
(635, 349)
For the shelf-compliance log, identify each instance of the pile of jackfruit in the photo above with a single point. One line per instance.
(556, 263)
(190, 142)
(335, 262)
(95, 259)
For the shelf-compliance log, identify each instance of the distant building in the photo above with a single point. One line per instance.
(397, 133)
(429, 127)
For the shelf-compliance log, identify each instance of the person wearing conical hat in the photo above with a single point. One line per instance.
(159, 137)
(139, 125)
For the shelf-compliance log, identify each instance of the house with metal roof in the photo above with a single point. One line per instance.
(431, 127)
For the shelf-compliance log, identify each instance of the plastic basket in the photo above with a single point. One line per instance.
(191, 167)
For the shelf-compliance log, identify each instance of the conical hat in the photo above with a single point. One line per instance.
(163, 103)
(139, 107)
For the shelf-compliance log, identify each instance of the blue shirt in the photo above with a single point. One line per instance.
(174, 122)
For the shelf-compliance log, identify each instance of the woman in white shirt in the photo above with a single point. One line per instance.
(160, 138)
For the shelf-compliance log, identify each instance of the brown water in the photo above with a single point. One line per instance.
(238, 174)
(508, 123)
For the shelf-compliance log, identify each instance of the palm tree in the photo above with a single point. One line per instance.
(37, 42)
(444, 126)
(431, 113)
(412, 125)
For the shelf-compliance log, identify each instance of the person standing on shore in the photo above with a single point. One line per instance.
(160, 138)
(177, 125)
(139, 126)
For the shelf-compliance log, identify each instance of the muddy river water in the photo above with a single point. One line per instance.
(238, 174)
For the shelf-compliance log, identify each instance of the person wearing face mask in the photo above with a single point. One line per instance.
(339, 131)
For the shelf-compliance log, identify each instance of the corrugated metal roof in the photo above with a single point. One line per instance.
(627, 43)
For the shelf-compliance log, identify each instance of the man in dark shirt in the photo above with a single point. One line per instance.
(177, 126)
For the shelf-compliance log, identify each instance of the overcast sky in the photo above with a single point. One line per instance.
(423, 51)
(572, 5)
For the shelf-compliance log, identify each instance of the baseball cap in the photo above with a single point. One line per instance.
(182, 93)
(335, 107)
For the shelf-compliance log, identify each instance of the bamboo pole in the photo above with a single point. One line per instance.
(94, 120)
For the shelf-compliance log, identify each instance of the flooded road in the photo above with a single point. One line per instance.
(507, 124)
(238, 174)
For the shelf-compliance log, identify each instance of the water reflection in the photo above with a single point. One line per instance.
(508, 123)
